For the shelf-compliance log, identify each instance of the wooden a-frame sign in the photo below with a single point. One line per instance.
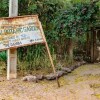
(22, 31)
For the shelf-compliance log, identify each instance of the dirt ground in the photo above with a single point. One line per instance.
(82, 84)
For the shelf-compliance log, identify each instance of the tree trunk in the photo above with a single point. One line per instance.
(88, 45)
(92, 46)
(70, 50)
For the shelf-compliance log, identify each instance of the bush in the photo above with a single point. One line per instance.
(3, 56)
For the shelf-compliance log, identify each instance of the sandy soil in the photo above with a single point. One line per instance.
(82, 84)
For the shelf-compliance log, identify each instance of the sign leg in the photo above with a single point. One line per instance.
(11, 64)
(51, 60)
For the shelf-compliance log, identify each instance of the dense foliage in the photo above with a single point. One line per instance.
(77, 19)
(61, 19)
(4, 8)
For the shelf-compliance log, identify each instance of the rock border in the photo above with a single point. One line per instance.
(52, 76)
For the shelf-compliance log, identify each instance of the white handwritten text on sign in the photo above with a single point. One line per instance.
(19, 31)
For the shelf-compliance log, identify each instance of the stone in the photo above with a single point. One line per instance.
(78, 64)
(51, 76)
(39, 77)
(30, 78)
(66, 69)
(60, 73)
(83, 62)
(24, 78)
(73, 67)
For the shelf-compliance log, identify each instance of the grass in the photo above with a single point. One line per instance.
(95, 85)
(79, 79)
(97, 95)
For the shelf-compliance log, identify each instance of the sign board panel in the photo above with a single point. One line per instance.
(19, 31)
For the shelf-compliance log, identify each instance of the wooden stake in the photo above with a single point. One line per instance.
(51, 60)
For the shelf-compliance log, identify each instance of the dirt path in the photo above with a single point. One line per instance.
(82, 84)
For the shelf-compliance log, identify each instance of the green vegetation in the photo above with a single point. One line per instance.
(65, 23)
(3, 56)
(75, 21)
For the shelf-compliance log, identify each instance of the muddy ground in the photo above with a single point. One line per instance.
(82, 84)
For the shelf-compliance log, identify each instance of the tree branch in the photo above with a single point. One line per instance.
(94, 1)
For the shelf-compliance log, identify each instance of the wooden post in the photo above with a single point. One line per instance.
(12, 53)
